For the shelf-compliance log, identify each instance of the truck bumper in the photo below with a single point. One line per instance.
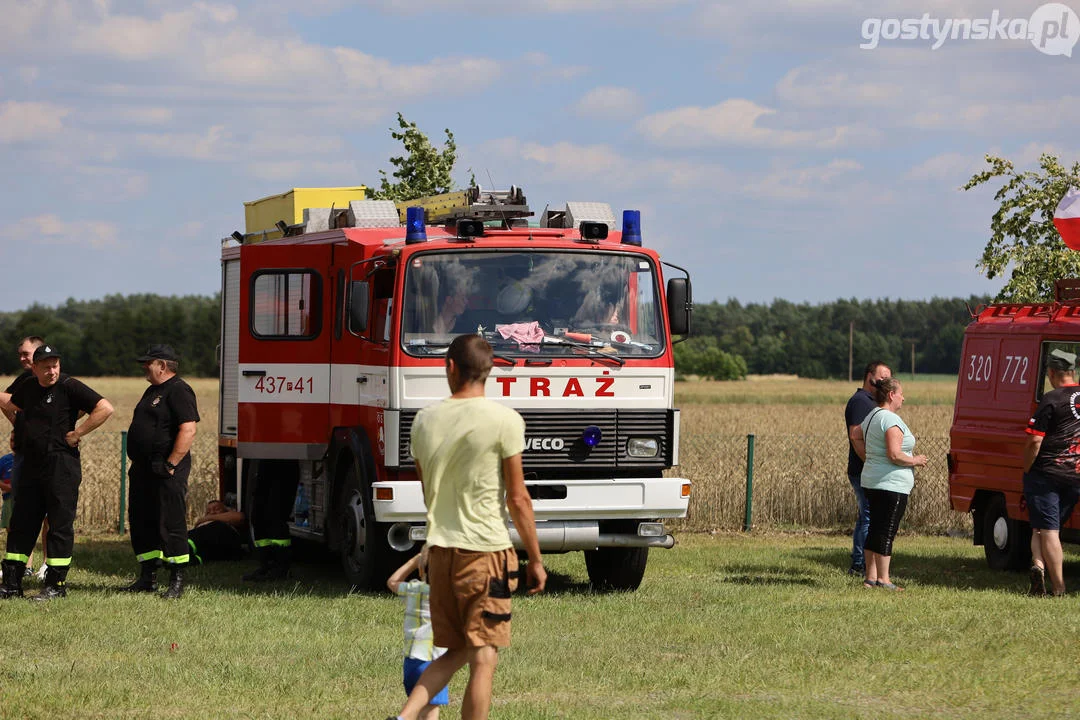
(564, 523)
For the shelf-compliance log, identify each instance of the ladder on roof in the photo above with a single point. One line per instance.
(474, 203)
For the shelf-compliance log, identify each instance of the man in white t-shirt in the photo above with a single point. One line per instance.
(468, 455)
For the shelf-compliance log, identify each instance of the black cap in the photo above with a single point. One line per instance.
(1059, 360)
(158, 352)
(46, 351)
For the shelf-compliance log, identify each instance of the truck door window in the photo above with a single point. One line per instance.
(1048, 347)
(286, 304)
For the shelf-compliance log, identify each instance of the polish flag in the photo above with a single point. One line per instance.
(1067, 218)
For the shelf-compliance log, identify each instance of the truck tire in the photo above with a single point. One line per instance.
(617, 569)
(365, 553)
(1006, 542)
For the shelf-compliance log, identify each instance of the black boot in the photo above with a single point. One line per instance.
(282, 556)
(147, 580)
(266, 561)
(55, 584)
(273, 565)
(13, 577)
(176, 584)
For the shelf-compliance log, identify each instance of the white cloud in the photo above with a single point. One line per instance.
(731, 122)
(600, 169)
(306, 173)
(216, 143)
(220, 143)
(802, 183)
(49, 229)
(833, 88)
(22, 121)
(131, 37)
(609, 103)
(951, 167)
(488, 7)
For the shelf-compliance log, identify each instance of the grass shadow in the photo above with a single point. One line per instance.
(757, 574)
(959, 570)
(111, 566)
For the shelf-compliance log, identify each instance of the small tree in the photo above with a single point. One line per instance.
(423, 170)
(1023, 238)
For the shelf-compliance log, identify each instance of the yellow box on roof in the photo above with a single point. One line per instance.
(264, 213)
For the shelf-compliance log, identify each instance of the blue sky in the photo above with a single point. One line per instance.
(767, 152)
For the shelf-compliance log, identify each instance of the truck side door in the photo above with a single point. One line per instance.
(286, 297)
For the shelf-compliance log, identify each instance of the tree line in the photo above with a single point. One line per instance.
(731, 339)
(103, 337)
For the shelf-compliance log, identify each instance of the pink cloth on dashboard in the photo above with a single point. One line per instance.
(527, 333)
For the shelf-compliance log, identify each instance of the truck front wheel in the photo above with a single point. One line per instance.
(365, 553)
(1006, 542)
(617, 569)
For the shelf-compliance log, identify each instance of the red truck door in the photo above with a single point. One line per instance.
(286, 301)
(360, 371)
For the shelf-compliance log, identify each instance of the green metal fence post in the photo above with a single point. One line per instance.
(123, 481)
(748, 518)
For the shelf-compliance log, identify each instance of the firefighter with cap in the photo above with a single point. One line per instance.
(159, 444)
(51, 471)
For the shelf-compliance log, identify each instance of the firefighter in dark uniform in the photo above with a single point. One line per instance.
(275, 493)
(51, 472)
(159, 443)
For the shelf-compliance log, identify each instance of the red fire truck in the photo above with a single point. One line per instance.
(334, 334)
(1002, 378)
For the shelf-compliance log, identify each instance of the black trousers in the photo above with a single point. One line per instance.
(47, 487)
(275, 493)
(157, 512)
(215, 540)
(886, 510)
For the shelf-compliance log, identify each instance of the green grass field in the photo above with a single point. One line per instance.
(724, 626)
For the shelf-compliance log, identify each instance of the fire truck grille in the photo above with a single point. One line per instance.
(553, 438)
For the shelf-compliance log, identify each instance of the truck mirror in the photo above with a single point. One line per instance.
(680, 304)
(358, 306)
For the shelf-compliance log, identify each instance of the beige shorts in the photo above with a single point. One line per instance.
(470, 596)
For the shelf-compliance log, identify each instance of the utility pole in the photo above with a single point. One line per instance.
(912, 341)
(850, 350)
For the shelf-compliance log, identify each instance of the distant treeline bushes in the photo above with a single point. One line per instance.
(730, 339)
(103, 337)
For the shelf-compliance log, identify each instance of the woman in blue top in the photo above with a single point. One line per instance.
(887, 477)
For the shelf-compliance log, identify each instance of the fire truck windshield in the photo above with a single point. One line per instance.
(546, 302)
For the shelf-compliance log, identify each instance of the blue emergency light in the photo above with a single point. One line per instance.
(415, 232)
(631, 227)
(591, 436)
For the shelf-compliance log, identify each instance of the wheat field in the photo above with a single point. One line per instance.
(800, 453)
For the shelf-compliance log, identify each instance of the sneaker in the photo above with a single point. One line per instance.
(857, 570)
(40, 574)
(29, 571)
(1037, 575)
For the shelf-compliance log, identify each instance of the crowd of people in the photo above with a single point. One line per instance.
(468, 452)
(882, 463)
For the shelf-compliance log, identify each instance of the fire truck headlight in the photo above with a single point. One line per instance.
(591, 436)
(642, 447)
(650, 529)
